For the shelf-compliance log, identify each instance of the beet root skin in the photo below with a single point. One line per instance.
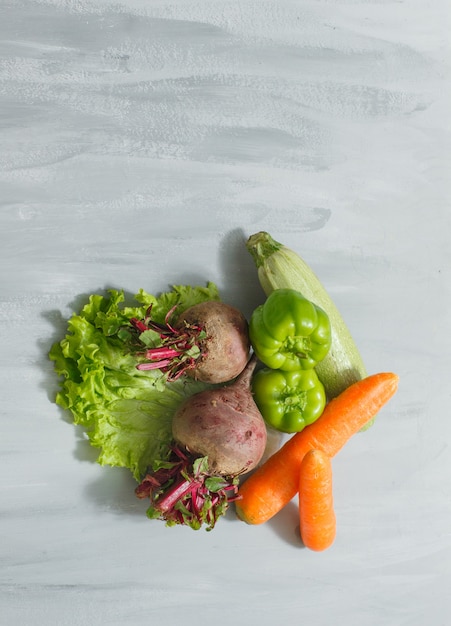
(224, 425)
(226, 345)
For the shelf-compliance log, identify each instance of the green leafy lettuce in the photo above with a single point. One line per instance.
(126, 413)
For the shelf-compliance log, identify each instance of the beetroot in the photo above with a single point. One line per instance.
(209, 341)
(219, 435)
(223, 424)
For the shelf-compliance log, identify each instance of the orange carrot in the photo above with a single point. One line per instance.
(316, 504)
(275, 482)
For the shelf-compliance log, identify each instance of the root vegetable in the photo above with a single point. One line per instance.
(225, 425)
(209, 341)
(219, 434)
(276, 481)
(317, 520)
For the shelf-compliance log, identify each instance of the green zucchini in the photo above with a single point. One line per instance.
(279, 267)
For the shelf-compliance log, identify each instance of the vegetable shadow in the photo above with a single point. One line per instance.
(286, 525)
(115, 488)
(239, 280)
(114, 491)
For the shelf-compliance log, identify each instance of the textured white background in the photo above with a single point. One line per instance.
(141, 143)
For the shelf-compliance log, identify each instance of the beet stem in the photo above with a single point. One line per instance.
(181, 491)
(154, 365)
(161, 353)
(179, 350)
(168, 501)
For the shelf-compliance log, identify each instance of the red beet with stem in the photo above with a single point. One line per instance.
(209, 341)
(219, 435)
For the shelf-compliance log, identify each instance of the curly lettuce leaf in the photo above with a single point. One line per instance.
(126, 413)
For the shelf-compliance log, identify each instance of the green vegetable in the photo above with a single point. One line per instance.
(289, 332)
(280, 268)
(126, 413)
(288, 401)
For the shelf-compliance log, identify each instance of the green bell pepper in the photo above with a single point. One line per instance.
(289, 332)
(288, 401)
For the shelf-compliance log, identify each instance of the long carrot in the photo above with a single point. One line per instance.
(275, 483)
(317, 519)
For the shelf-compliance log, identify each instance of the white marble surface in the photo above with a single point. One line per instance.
(141, 142)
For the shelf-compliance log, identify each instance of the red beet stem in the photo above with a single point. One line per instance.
(155, 365)
(175, 354)
(180, 492)
(162, 353)
(168, 501)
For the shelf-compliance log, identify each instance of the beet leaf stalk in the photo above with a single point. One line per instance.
(178, 348)
(182, 491)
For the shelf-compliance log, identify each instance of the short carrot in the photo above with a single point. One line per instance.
(275, 483)
(317, 519)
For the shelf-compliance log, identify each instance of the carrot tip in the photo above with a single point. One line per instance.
(316, 509)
